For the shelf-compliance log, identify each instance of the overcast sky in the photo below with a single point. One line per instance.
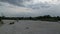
(29, 7)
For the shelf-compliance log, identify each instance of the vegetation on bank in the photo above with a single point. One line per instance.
(1, 22)
(42, 18)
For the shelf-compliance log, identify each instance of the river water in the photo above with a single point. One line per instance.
(30, 27)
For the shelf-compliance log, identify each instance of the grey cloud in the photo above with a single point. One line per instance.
(22, 4)
(15, 2)
(41, 8)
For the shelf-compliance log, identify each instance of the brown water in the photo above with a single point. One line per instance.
(30, 27)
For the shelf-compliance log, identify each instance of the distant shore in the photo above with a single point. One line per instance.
(40, 18)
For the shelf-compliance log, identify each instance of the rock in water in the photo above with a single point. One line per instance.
(11, 23)
(27, 27)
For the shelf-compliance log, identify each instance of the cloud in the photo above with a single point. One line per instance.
(28, 8)
(11, 10)
(15, 2)
(27, 3)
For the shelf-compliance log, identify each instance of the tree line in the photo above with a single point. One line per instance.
(42, 18)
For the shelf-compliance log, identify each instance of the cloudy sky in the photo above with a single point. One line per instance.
(29, 7)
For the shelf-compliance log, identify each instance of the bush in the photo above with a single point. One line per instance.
(0, 19)
(1, 22)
